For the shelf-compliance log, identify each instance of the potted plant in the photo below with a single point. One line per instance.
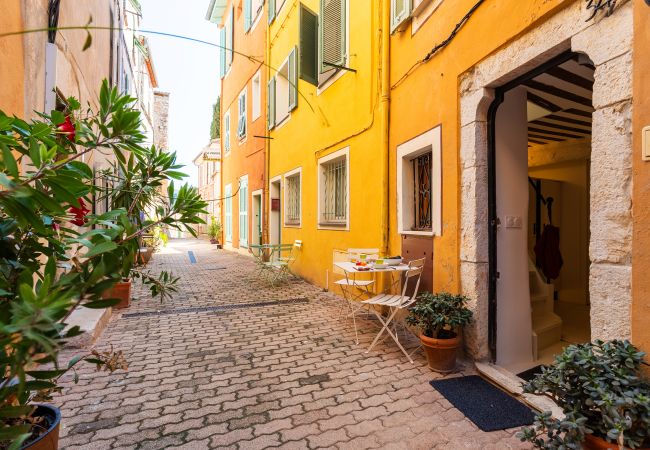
(56, 256)
(439, 318)
(214, 231)
(600, 388)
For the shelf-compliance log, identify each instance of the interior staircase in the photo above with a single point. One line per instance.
(547, 326)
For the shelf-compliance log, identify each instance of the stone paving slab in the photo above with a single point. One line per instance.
(274, 376)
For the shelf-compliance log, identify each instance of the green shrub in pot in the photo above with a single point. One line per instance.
(602, 392)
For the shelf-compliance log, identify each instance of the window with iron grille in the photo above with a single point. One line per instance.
(334, 192)
(292, 199)
(422, 192)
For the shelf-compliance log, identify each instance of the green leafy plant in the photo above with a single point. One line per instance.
(600, 389)
(439, 315)
(214, 230)
(55, 255)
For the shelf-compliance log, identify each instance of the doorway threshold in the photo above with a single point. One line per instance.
(512, 384)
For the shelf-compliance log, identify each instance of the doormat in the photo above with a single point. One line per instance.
(487, 406)
(530, 373)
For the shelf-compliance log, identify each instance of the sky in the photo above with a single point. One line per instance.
(189, 71)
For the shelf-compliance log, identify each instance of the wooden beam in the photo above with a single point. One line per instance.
(568, 120)
(571, 77)
(554, 133)
(578, 112)
(560, 127)
(545, 138)
(543, 103)
(557, 92)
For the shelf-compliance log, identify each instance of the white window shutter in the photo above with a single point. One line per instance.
(226, 125)
(270, 105)
(230, 36)
(400, 13)
(293, 79)
(332, 34)
(248, 15)
(222, 53)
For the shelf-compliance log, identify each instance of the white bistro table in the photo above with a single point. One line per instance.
(350, 270)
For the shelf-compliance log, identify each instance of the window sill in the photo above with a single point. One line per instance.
(416, 233)
(333, 226)
(330, 81)
(292, 225)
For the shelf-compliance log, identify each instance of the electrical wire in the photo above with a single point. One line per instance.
(440, 46)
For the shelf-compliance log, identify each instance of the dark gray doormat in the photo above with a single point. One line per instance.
(487, 406)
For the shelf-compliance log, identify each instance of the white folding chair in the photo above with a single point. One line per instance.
(396, 303)
(280, 266)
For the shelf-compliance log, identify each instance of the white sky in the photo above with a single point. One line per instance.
(189, 71)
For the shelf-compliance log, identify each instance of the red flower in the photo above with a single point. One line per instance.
(67, 128)
(79, 213)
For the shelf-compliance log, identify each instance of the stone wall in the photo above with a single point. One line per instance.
(161, 120)
(607, 41)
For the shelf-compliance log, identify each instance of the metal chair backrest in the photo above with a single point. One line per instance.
(416, 267)
(355, 253)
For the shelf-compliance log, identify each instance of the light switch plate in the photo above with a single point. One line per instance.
(645, 144)
(513, 222)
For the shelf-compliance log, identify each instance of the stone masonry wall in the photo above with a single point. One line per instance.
(161, 120)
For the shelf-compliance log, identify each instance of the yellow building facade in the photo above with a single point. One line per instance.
(328, 112)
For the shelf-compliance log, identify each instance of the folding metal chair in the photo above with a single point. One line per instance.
(280, 268)
(396, 303)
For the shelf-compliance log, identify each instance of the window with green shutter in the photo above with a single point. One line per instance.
(270, 106)
(400, 12)
(222, 53)
(230, 39)
(241, 125)
(332, 34)
(271, 10)
(293, 79)
(308, 46)
(248, 15)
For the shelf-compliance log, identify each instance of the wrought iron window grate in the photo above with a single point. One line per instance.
(335, 204)
(422, 191)
(292, 214)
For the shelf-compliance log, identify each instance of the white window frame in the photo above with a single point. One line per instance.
(244, 94)
(279, 121)
(256, 18)
(278, 7)
(257, 96)
(430, 141)
(226, 134)
(229, 25)
(422, 10)
(297, 173)
(323, 225)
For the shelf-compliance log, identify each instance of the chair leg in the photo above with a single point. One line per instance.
(386, 328)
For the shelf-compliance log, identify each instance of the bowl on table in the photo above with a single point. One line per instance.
(393, 261)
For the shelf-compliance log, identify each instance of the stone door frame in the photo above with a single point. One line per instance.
(607, 42)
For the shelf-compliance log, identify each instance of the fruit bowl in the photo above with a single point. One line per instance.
(393, 261)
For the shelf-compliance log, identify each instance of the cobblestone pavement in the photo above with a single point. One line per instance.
(257, 376)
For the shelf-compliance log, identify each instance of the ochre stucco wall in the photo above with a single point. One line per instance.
(641, 180)
(246, 157)
(12, 57)
(430, 97)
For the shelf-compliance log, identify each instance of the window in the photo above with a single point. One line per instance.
(419, 185)
(332, 37)
(252, 10)
(257, 96)
(270, 104)
(283, 91)
(334, 191)
(228, 213)
(292, 198)
(274, 8)
(308, 45)
(226, 134)
(243, 212)
(226, 52)
(400, 12)
(241, 122)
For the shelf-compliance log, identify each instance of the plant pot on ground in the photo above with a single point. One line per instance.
(602, 392)
(45, 431)
(214, 231)
(122, 291)
(440, 317)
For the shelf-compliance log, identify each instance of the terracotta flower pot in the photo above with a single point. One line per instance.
(441, 353)
(50, 439)
(121, 290)
(595, 443)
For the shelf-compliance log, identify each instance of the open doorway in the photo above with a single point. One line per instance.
(275, 214)
(540, 181)
(256, 232)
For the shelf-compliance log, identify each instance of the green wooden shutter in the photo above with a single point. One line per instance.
(400, 11)
(248, 15)
(222, 53)
(293, 79)
(228, 212)
(241, 126)
(270, 105)
(230, 35)
(271, 10)
(332, 33)
(308, 46)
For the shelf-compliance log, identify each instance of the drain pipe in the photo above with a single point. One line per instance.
(385, 119)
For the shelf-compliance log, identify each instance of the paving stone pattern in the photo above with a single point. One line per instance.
(286, 375)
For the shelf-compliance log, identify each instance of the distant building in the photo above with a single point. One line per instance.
(161, 120)
(208, 162)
